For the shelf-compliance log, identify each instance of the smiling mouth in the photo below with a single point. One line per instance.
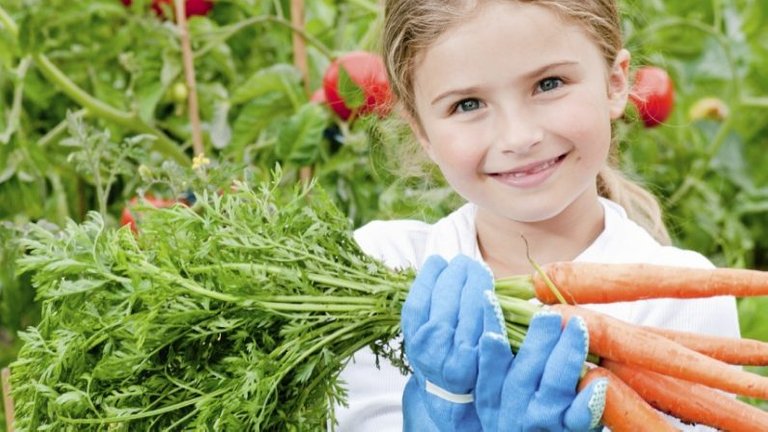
(529, 170)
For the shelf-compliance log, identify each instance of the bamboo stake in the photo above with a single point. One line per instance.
(7, 401)
(299, 45)
(300, 61)
(189, 73)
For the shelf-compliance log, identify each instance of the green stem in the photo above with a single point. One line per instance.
(364, 301)
(520, 286)
(230, 30)
(58, 130)
(8, 22)
(310, 307)
(145, 414)
(329, 263)
(517, 311)
(60, 198)
(699, 169)
(133, 122)
(754, 102)
(187, 284)
(318, 278)
(163, 144)
(14, 118)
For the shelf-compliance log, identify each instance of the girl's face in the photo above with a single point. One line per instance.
(515, 107)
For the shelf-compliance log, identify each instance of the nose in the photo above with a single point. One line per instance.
(517, 131)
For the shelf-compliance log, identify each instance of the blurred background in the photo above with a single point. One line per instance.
(97, 112)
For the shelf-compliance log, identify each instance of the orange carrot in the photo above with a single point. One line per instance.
(748, 352)
(582, 283)
(625, 410)
(691, 402)
(616, 340)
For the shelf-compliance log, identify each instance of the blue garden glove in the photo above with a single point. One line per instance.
(536, 390)
(442, 320)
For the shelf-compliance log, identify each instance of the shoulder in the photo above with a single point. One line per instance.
(623, 240)
(406, 242)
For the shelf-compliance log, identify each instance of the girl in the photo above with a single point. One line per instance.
(513, 100)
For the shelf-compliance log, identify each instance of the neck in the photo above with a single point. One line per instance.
(502, 241)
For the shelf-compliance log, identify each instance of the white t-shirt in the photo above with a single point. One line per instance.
(374, 394)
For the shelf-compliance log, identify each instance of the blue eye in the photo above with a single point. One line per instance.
(549, 84)
(466, 105)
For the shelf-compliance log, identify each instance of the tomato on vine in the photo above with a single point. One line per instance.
(192, 7)
(653, 94)
(357, 82)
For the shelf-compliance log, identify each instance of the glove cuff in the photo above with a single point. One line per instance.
(451, 397)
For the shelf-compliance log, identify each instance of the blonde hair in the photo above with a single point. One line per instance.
(411, 26)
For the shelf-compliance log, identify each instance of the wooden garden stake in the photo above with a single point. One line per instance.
(299, 46)
(189, 74)
(300, 61)
(7, 401)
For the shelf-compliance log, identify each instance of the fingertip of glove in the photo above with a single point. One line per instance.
(435, 261)
(596, 403)
(498, 314)
(547, 316)
(580, 325)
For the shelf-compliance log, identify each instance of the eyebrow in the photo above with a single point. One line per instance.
(534, 73)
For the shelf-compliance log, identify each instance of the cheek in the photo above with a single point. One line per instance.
(588, 126)
(454, 150)
(457, 164)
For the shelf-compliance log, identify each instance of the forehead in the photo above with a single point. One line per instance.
(516, 24)
(509, 35)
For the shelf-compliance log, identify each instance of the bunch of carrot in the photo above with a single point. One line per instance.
(679, 373)
(240, 312)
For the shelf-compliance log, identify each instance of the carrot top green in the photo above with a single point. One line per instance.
(237, 314)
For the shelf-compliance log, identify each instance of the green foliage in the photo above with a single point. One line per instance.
(86, 104)
(236, 314)
(351, 93)
(707, 172)
(98, 159)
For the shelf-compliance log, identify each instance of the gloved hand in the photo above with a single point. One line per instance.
(536, 390)
(442, 320)
(416, 416)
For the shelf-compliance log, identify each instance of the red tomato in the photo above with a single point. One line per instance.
(367, 71)
(193, 7)
(653, 94)
(129, 217)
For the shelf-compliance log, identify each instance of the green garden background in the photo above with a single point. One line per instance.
(94, 112)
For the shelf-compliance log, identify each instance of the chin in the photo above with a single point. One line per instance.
(532, 213)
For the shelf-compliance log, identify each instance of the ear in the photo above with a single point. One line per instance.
(618, 84)
(420, 134)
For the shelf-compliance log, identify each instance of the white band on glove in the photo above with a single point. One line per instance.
(451, 397)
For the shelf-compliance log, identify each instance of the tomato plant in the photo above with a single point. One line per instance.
(370, 92)
(192, 7)
(653, 94)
